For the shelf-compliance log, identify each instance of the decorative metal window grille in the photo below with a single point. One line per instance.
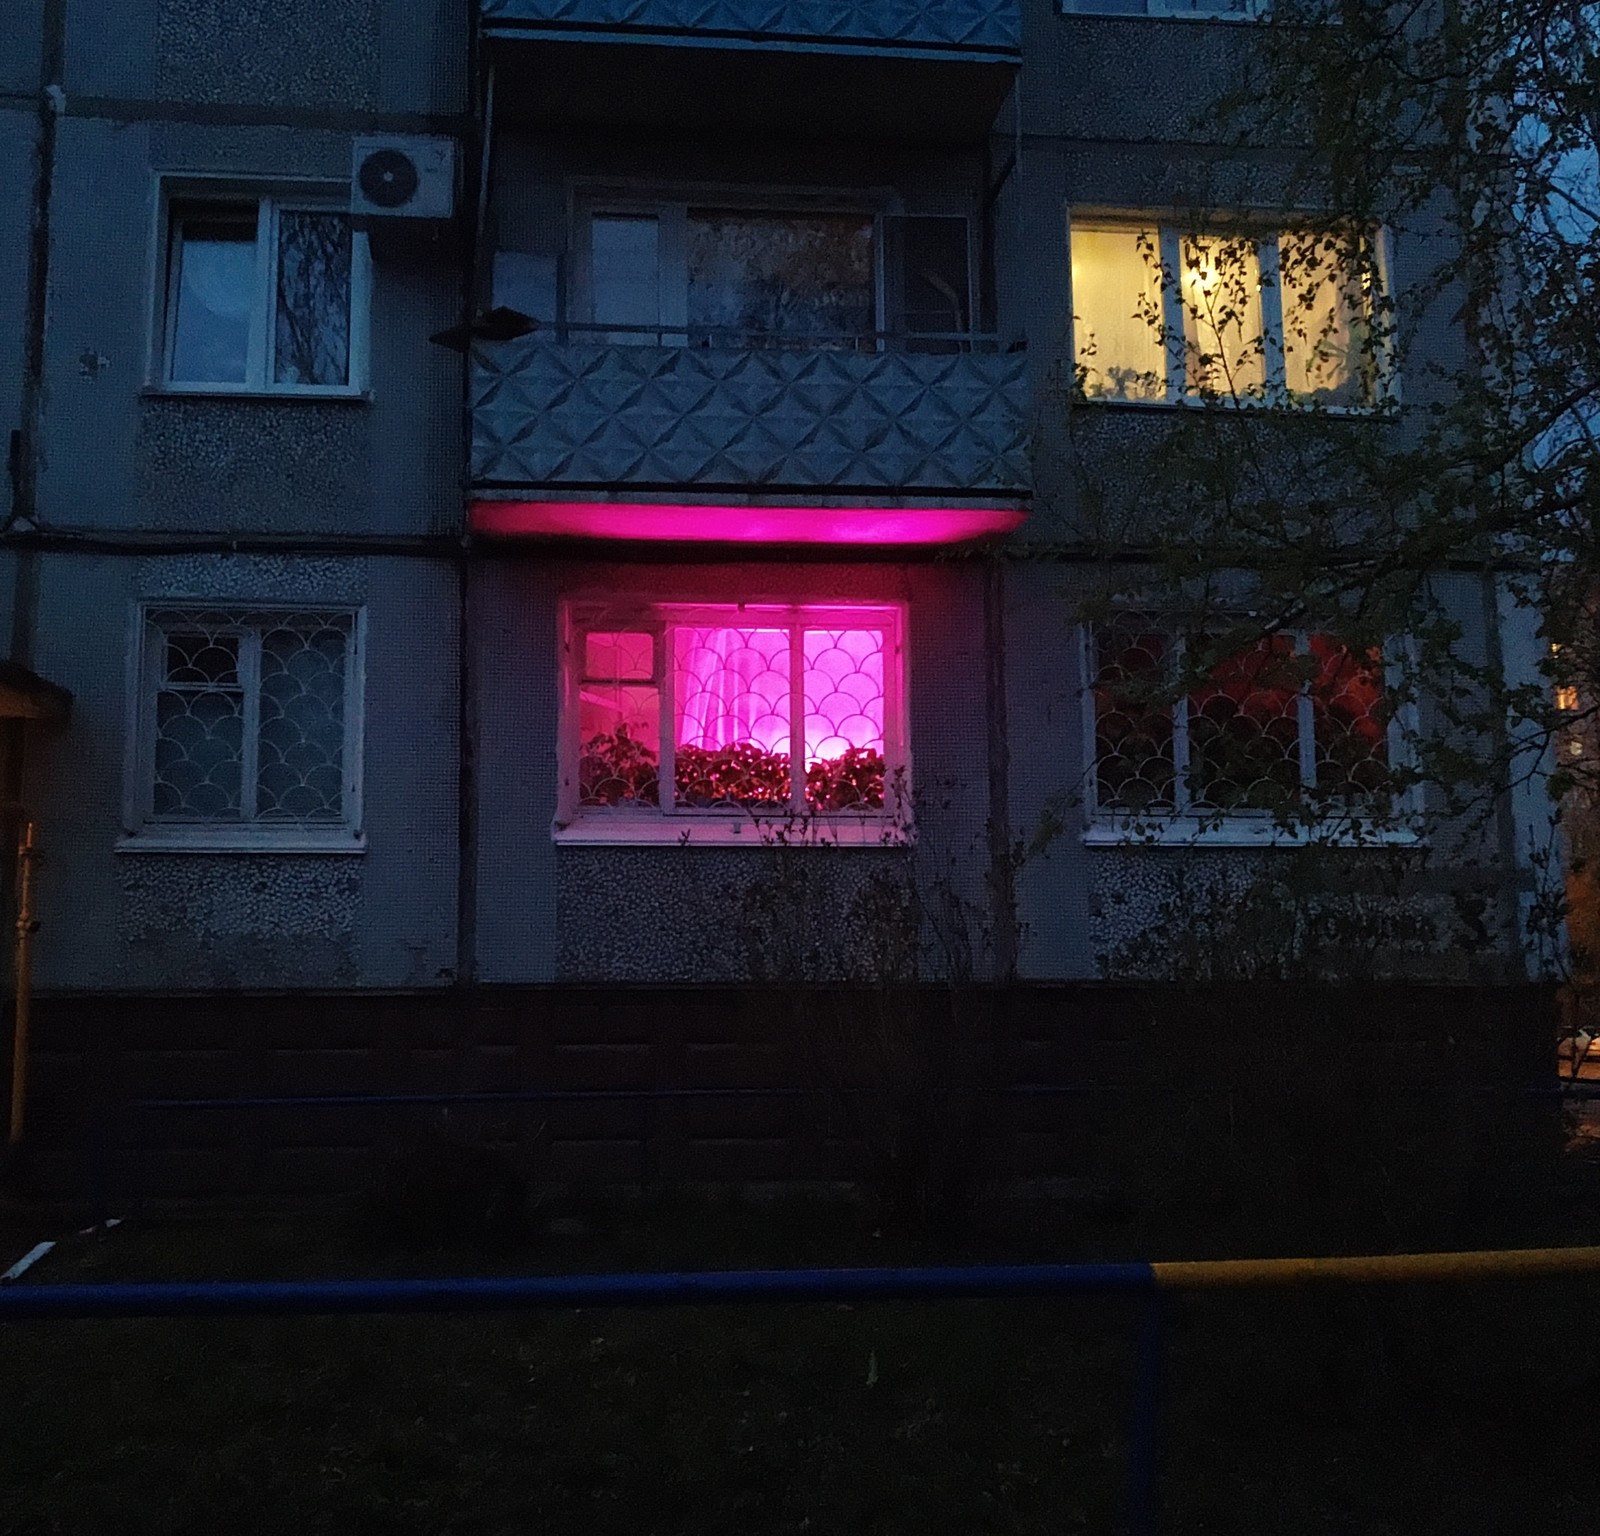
(1286, 725)
(249, 717)
(694, 711)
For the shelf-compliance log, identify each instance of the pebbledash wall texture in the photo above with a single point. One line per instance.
(324, 735)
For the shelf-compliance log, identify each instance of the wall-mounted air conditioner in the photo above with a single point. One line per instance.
(405, 176)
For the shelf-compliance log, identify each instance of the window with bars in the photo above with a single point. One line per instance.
(1288, 729)
(247, 728)
(263, 295)
(699, 719)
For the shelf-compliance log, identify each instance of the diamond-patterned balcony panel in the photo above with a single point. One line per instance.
(987, 26)
(544, 413)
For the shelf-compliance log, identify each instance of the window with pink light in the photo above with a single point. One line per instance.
(717, 715)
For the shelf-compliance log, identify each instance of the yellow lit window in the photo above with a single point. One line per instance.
(1116, 313)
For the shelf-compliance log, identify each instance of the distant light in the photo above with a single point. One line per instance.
(1566, 697)
(652, 522)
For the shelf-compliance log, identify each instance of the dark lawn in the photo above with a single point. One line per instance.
(1410, 1411)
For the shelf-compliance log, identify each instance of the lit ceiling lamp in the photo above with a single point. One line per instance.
(667, 523)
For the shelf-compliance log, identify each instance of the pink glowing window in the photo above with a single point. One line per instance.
(752, 710)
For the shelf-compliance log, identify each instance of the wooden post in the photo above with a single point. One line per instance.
(22, 970)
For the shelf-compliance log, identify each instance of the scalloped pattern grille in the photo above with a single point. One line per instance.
(250, 717)
(549, 414)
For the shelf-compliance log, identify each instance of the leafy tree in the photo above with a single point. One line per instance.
(1430, 172)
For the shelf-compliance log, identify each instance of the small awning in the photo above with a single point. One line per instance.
(24, 695)
(672, 523)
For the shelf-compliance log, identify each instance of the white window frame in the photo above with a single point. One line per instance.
(1169, 247)
(1250, 827)
(670, 208)
(143, 831)
(182, 198)
(735, 827)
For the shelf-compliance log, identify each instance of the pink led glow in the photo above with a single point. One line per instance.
(732, 686)
(649, 522)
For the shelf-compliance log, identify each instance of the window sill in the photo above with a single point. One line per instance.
(1231, 18)
(224, 392)
(730, 832)
(241, 840)
(1220, 403)
(1239, 833)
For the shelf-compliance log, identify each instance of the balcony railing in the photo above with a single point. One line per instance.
(933, 414)
(977, 28)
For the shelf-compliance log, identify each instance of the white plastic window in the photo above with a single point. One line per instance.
(708, 719)
(1163, 315)
(1291, 728)
(263, 295)
(246, 728)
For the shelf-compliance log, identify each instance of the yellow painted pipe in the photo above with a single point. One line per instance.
(22, 969)
(1211, 1274)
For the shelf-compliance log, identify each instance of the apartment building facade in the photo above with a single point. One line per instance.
(487, 473)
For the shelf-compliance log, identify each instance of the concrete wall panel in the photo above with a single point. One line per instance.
(180, 920)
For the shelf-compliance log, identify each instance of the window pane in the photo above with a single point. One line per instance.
(619, 729)
(300, 774)
(312, 338)
(753, 275)
(1351, 726)
(202, 658)
(1326, 340)
(619, 655)
(213, 297)
(844, 719)
(199, 750)
(625, 274)
(1244, 730)
(1220, 287)
(925, 280)
(1133, 720)
(732, 693)
(1116, 314)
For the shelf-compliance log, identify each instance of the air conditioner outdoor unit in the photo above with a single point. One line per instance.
(402, 177)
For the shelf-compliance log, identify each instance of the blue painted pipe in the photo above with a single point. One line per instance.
(288, 1298)
(542, 1096)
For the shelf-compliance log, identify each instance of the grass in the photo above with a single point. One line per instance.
(1407, 1411)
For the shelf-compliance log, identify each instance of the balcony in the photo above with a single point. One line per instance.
(981, 30)
(930, 71)
(614, 415)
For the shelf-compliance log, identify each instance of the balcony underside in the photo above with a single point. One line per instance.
(974, 28)
(620, 416)
(932, 96)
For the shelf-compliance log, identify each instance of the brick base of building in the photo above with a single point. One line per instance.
(1188, 1094)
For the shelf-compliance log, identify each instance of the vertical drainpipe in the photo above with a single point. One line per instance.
(1002, 871)
(466, 678)
(26, 446)
(26, 453)
(1002, 858)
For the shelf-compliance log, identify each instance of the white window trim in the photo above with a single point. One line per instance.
(142, 833)
(271, 198)
(642, 826)
(1170, 236)
(1250, 829)
(670, 206)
